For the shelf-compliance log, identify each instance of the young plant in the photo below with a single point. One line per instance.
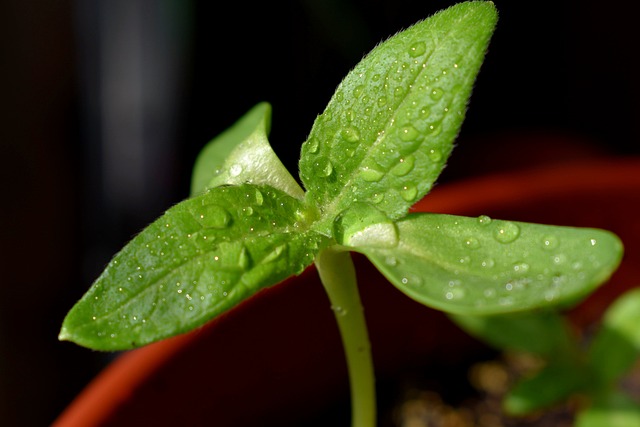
(377, 148)
(571, 368)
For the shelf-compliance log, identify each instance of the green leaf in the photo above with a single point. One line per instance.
(543, 333)
(616, 346)
(389, 128)
(611, 410)
(554, 384)
(201, 258)
(242, 154)
(483, 266)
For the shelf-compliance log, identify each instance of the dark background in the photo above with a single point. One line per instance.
(105, 104)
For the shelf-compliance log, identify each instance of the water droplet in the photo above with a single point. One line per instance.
(358, 91)
(235, 170)
(488, 263)
(559, 259)
(435, 155)
(521, 267)
(489, 293)
(364, 225)
(454, 294)
(550, 242)
(338, 310)
(275, 254)
(248, 210)
(312, 145)
(350, 134)
(259, 197)
(435, 129)
(244, 259)
(349, 115)
(484, 220)
(425, 112)
(436, 93)
(375, 77)
(324, 166)
(507, 232)
(404, 166)
(377, 197)
(214, 216)
(370, 174)
(382, 101)
(417, 49)
(399, 91)
(409, 193)
(408, 133)
(471, 243)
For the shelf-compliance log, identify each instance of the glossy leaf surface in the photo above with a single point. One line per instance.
(483, 266)
(242, 154)
(389, 128)
(201, 258)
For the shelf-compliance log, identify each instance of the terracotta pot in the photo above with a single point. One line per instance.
(278, 356)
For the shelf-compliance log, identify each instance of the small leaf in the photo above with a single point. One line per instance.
(389, 128)
(610, 410)
(543, 333)
(242, 154)
(483, 266)
(553, 384)
(616, 346)
(201, 258)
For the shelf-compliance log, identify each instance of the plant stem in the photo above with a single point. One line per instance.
(338, 276)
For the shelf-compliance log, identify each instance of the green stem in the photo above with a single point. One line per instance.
(338, 276)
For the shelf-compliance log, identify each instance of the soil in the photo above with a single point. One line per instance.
(425, 403)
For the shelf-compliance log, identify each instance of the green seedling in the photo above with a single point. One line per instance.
(377, 148)
(572, 368)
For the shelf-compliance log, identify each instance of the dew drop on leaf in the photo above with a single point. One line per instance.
(521, 267)
(244, 259)
(436, 93)
(338, 310)
(408, 133)
(550, 242)
(350, 134)
(370, 174)
(455, 294)
(324, 166)
(507, 232)
(487, 263)
(435, 129)
(312, 145)
(435, 155)
(471, 243)
(417, 49)
(275, 254)
(214, 216)
(404, 166)
(484, 220)
(377, 198)
(235, 170)
(409, 193)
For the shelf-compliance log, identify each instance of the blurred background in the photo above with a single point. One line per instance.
(106, 103)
